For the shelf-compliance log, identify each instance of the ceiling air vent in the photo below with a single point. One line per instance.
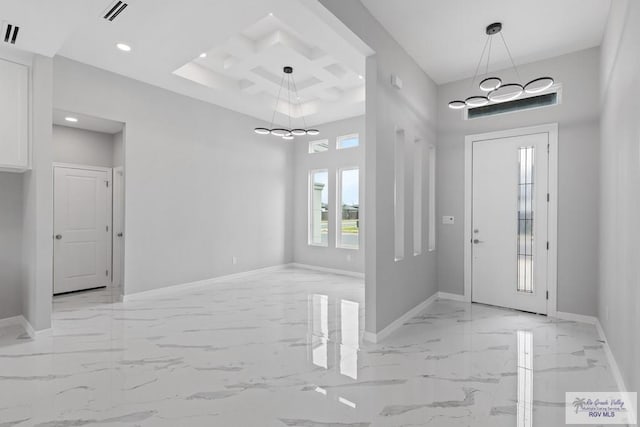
(522, 104)
(114, 9)
(9, 33)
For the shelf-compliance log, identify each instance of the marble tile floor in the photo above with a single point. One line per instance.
(284, 348)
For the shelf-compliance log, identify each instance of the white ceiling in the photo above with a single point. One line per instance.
(86, 122)
(166, 35)
(446, 37)
(249, 67)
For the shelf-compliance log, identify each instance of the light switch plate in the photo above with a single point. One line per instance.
(448, 220)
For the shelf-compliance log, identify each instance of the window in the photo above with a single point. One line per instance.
(432, 198)
(348, 141)
(318, 146)
(417, 198)
(521, 104)
(349, 216)
(399, 195)
(525, 219)
(319, 208)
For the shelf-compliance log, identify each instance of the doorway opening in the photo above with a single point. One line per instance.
(510, 228)
(88, 214)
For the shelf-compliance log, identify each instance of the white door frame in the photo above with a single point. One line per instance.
(109, 208)
(552, 254)
(118, 195)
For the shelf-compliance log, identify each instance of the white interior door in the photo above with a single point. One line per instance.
(82, 233)
(509, 225)
(118, 226)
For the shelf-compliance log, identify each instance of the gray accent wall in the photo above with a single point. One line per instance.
(619, 294)
(201, 186)
(392, 288)
(10, 244)
(118, 149)
(332, 160)
(578, 191)
(84, 147)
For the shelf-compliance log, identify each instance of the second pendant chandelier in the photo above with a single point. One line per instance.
(290, 132)
(496, 90)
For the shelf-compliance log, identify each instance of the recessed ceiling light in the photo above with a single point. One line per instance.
(71, 119)
(124, 47)
(360, 77)
(203, 55)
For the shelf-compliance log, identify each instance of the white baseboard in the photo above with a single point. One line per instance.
(576, 317)
(453, 297)
(198, 283)
(615, 369)
(27, 327)
(15, 320)
(22, 321)
(397, 324)
(327, 270)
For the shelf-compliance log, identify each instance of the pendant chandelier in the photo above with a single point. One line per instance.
(495, 89)
(290, 132)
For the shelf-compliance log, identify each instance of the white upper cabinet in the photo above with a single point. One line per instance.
(14, 116)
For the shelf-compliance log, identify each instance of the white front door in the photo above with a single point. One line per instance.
(509, 222)
(82, 232)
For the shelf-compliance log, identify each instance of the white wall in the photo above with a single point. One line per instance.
(201, 187)
(578, 171)
(392, 288)
(37, 277)
(619, 297)
(10, 244)
(118, 149)
(333, 160)
(84, 147)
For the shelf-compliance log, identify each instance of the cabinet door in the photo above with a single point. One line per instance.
(14, 116)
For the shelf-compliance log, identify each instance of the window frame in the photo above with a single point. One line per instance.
(341, 138)
(339, 244)
(316, 141)
(310, 241)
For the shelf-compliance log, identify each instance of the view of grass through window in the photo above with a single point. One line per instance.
(349, 226)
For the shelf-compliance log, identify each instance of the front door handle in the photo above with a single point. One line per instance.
(58, 236)
(476, 241)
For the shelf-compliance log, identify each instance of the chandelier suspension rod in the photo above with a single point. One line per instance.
(511, 58)
(289, 97)
(295, 89)
(273, 118)
(475, 75)
(486, 71)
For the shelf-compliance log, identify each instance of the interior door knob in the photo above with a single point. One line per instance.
(58, 236)
(476, 241)
(119, 234)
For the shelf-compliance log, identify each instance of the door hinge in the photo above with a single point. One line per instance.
(547, 245)
(548, 197)
(547, 294)
(548, 148)
(107, 228)
(106, 273)
(107, 183)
